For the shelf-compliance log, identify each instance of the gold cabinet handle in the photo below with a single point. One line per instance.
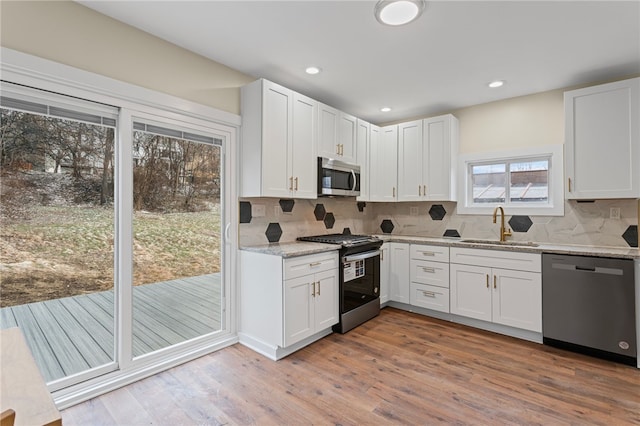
(318, 288)
(424, 190)
(487, 280)
(291, 183)
(338, 149)
(313, 292)
(381, 255)
(419, 191)
(569, 179)
(429, 294)
(428, 253)
(341, 149)
(394, 192)
(314, 264)
(296, 185)
(494, 281)
(428, 269)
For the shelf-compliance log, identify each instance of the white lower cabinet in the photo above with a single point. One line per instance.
(429, 279)
(399, 273)
(385, 269)
(481, 289)
(310, 305)
(287, 303)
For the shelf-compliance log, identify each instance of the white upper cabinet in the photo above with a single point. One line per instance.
(602, 141)
(363, 135)
(427, 157)
(383, 163)
(410, 181)
(278, 142)
(440, 151)
(337, 136)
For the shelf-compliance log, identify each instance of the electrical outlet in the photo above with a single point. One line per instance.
(614, 213)
(258, 210)
(413, 211)
(277, 210)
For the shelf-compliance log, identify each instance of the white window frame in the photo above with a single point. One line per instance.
(135, 101)
(555, 204)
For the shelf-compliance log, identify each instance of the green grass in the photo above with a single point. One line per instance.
(64, 251)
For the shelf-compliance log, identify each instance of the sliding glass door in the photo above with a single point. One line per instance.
(177, 235)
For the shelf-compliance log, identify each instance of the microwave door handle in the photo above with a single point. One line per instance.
(353, 174)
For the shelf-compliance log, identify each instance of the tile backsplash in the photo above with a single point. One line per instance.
(264, 220)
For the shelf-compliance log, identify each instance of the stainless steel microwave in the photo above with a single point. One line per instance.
(337, 178)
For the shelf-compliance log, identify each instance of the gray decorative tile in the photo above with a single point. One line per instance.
(274, 232)
(386, 226)
(437, 212)
(361, 206)
(451, 233)
(245, 212)
(346, 231)
(631, 235)
(319, 212)
(329, 220)
(520, 223)
(287, 205)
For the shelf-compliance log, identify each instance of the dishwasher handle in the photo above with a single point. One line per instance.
(588, 269)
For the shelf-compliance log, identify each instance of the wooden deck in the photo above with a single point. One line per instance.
(73, 334)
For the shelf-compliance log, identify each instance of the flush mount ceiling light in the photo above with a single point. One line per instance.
(496, 83)
(385, 109)
(398, 12)
(312, 70)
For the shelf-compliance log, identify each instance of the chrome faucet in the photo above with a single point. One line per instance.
(503, 232)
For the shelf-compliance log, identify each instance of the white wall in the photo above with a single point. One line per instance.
(69, 33)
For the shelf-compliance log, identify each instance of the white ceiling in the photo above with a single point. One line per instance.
(439, 63)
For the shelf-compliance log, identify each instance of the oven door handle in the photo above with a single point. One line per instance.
(361, 256)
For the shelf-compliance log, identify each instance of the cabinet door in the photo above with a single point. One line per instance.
(362, 157)
(276, 129)
(347, 129)
(410, 163)
(326, 299)
(470, 291)
(303, 163)
(385, 267)
(328, 132)
(383, 175)
(298, 309)
(399, 274)
(602, 141)
(517, 299)
(439, 171)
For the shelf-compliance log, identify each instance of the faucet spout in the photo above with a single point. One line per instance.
(504, 233)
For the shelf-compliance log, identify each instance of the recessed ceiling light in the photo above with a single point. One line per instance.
(385, 109)
(398, 12)
(496, 83)
(312, 70)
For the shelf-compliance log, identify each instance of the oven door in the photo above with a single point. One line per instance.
(360, 279)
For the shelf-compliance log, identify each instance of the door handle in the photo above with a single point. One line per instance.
(429, 294)
(296, 185)
(291, 183)
(427, 269)
(494, 282)
(318, 288)
(487, 280)
(313, 291)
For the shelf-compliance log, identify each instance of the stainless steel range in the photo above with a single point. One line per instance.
(359, 277)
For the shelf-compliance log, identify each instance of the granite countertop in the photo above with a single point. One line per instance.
(617, 252)
(300, 248)
(291, 249)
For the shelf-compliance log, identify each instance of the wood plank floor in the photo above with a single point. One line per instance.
(399, 368)
(73, 334)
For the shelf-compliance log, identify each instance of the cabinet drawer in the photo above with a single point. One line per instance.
(497, 259)
(433, 253)
(430, 297)
(432, 273)
(299, 266)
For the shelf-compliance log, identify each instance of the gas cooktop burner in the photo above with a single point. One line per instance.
(345, 240)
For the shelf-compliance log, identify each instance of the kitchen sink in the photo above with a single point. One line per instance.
(502, 243)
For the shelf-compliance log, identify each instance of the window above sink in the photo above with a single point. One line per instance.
(525, 181)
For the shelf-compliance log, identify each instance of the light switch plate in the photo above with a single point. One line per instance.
(258, 210)
(614, 213)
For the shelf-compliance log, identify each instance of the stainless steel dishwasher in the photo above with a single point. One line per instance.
(588, 305)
